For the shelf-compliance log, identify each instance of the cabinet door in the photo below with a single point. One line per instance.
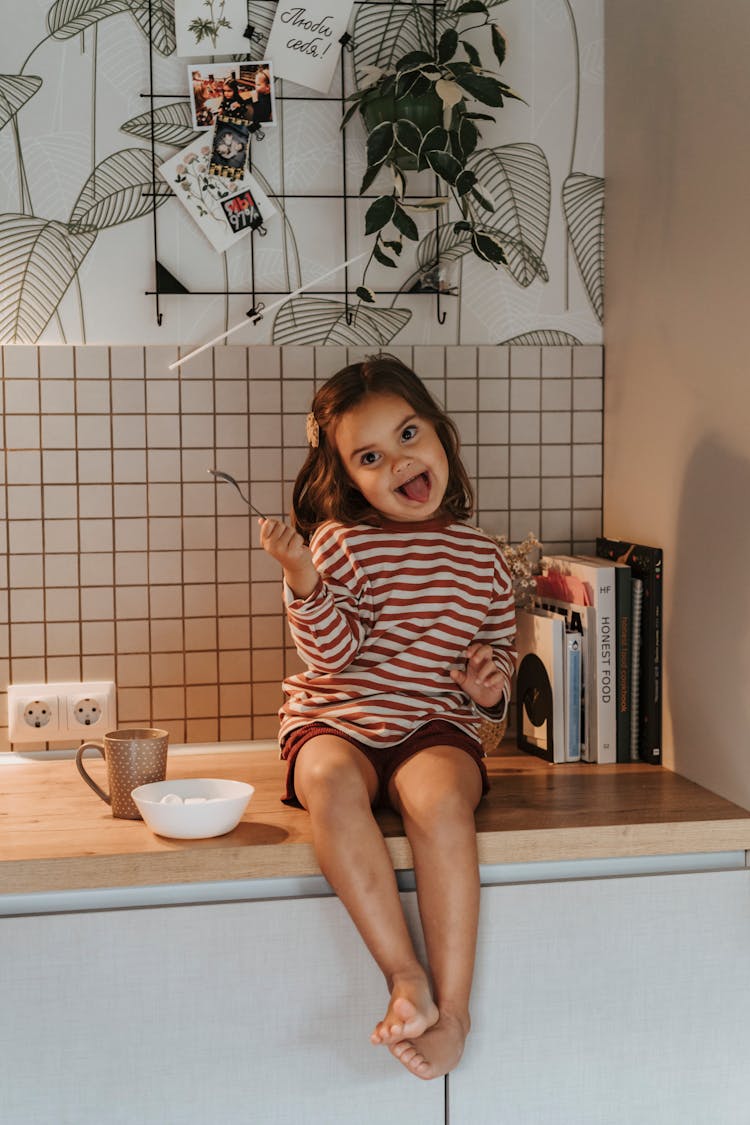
(610, 1002)
(256, 1012)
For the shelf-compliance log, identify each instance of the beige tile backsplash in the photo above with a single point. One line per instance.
(120, 559)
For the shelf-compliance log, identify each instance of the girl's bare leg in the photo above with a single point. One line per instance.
(337, 785)
(436, 791)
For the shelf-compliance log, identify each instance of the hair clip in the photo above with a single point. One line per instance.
(312, 430)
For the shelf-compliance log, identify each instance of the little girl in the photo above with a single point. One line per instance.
(403, 613)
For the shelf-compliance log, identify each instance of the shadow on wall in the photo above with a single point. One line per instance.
(709, 631)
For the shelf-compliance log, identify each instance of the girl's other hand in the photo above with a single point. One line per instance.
(481, 679)
(289, 548)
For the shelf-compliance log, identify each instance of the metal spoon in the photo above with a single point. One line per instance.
(220, 475)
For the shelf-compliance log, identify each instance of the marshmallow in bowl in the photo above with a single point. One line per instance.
(174, 799)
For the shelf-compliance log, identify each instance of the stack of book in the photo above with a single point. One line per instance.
(589, 672)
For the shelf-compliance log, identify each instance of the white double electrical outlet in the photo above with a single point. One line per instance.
(60, 712)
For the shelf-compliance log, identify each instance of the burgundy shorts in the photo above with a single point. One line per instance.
(385, 760)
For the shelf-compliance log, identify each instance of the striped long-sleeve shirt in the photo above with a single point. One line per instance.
(395, 610)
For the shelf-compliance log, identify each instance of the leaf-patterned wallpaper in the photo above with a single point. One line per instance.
(80, 219)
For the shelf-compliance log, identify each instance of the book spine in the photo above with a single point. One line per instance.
(646, 564)
(600, 578)
(573, 697)
(606, 751)
(635, 669)
(649, 742)
(623, 602)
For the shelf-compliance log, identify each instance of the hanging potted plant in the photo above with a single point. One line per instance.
(422, 115)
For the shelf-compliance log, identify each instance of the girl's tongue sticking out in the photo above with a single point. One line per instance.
(418, 488)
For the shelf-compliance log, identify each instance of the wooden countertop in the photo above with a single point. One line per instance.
(55, 834)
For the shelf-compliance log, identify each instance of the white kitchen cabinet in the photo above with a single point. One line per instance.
(609, 1002)
(255, 1012)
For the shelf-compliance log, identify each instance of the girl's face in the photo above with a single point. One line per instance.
(394, 457)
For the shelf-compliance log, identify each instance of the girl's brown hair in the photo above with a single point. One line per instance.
(323, 489)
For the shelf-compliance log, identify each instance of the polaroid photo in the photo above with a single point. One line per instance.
(203, 195)
(229, 148)
(210, 27)
(243, 91)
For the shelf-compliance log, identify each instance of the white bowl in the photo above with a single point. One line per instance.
(225, 802)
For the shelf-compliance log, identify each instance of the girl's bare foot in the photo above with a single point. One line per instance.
(411, 1010)
(436, 1052)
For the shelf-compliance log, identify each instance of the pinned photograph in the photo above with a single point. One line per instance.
(229, 149)
(204, 196)
(210, 27)
(243, 91)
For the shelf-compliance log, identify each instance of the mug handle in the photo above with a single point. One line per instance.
(90, 781)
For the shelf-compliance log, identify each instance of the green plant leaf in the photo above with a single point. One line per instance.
(15, 91)
(483, 195)
(488, 247)
(399, 181)
(465, 181)
(432, 204)
(448, 45)
(119, 189)
(449, 93)
(485, 89)
(479, 116)
(38, 260)
(405, 224)
(382, 257)
(314, 321)
(499, 45)
(408, 135)
(472, 53)
(379, 213)
(413, 85)
(172, 125)
(583, 205)
(380, 143)
(468, 137)
(444, 165)
(413, 60)
(395, 246)
(461, 226)
(368, 178)
(436, 138)
(472, 7)
(351, 110)
(365, 294)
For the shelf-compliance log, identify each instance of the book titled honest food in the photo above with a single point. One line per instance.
(598, 578)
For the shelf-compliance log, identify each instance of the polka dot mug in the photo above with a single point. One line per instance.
(133, 757)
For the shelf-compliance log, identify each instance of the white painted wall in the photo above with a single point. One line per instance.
(676, 465)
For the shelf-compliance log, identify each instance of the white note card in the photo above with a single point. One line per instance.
(304, 41)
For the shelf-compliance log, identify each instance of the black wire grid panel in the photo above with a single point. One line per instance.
(165, 284)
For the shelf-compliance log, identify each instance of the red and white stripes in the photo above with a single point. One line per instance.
(395, 611)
